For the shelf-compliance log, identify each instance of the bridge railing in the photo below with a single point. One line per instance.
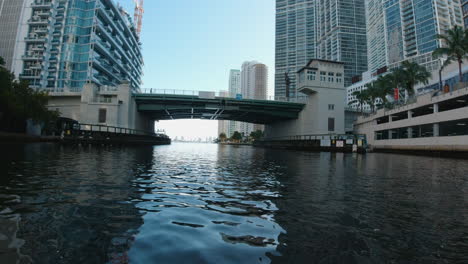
(214, 94)
(318, 137)
(116, 130)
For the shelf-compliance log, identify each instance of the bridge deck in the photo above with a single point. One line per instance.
(167, 107)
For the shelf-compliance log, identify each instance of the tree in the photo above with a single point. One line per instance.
(384, 87)
(454, 46)
(236, 136)
(371, 95)
(18, 103)
(413, 74)
(2, 62)
(361, 98)
(222, 137)
(256, 135)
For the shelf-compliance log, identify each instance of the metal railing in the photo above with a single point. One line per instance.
(116, 130)
(220, 94)
(317, 137)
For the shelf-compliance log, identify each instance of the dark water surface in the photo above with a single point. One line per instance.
(203, 203)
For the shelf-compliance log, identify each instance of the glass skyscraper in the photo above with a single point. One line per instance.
(341, 35)
(323, 29)
(295, 41)
(63, 44)
(412, 25)
(376, 41)
(10, 13)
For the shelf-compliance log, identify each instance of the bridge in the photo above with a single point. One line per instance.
(173, 104)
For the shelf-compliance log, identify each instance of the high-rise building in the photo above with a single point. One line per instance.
(464, 4)
(254, 85)
(295, 41)
(223, 125)
(376, 41)
(341, 35)
(63, 44)
(411, 27)
(10, 14)
(234, 90)
(323, 29)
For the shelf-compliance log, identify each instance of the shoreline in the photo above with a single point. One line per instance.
(8, 137)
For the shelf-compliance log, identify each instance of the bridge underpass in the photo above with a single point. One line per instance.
(170, 107)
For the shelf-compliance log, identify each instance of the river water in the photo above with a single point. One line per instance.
(204, 203)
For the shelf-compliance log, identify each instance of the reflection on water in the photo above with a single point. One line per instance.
(203, 203)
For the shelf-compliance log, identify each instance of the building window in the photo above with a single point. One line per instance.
(311, 75)
(106, 99)
(331, 107)
(331, 124)
(102, 115)
(330, 76)
(323, 76)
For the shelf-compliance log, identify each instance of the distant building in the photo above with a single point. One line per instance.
(234, 91)
(223, 125)
(62, 45)
(254, 85)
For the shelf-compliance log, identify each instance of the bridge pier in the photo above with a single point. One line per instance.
(104, 105)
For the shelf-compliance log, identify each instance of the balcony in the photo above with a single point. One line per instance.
(42, 13)
(35, 38)
(41, 4)
(29, 74)
(38, 21)
(32, 57)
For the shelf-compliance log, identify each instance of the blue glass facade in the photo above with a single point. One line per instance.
(78, 41)
(412, 25)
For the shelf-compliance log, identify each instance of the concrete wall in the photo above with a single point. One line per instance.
(320, 94)
(121, 108)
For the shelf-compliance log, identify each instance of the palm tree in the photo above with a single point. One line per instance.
(413, 74)
(455, 48)
(361, 98)
(394, 79)
(236, 136)
(222, 137)
(384, 88)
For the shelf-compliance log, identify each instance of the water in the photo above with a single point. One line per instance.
(203, 203)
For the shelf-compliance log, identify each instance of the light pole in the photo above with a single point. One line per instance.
(440, 73)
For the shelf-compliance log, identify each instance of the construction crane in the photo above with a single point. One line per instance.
(138, 16)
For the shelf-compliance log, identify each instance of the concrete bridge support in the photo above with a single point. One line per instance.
(110, 106)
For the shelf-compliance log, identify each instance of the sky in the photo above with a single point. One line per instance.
(192, 45)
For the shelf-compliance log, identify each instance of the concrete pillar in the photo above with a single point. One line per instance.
(436, 129)
(410, 114)
(390, 118)
(410, 132)
(390, 134)
(436, 108)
